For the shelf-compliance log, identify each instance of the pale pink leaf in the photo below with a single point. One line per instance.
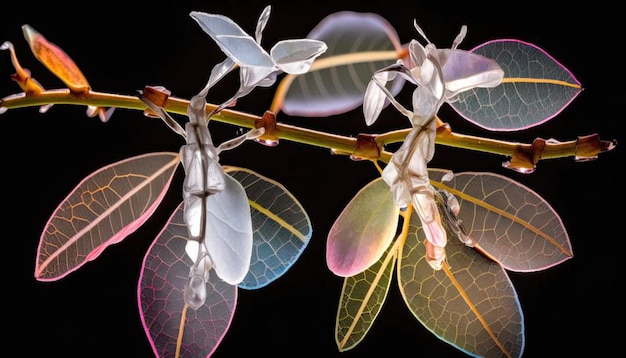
(102, 210)
(173, 329)
(363, 230)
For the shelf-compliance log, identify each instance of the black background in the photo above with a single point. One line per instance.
(120, 46)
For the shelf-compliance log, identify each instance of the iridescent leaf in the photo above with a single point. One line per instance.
(362, 298)
(509, 221)
(470, 303)
(363, 230)
(358, 45)
(174, 329)
(535, 88)
(282, 228)
(102, 210)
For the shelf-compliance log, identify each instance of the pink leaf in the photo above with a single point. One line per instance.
(363, 230)
(173, 328)
(108, 205)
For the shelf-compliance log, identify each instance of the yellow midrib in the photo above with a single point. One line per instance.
(504, 214)
(540, 80)
(278, 220)
(473, 308)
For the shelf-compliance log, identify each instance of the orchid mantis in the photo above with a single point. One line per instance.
(235, 229)
(216, 209)
(218, 235)
(495, 223)
(257, 67)
(440, 75)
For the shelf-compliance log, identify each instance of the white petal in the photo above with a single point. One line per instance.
(229, 232)
(232, 40)
(250, 77)
(374, 98)
(297, 56)
(417, 53)
(463, 70)
(193, 215)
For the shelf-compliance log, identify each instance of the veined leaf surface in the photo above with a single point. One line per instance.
(281, 227)
(102, 210)
(174, 329)
(509, 221)
(535, 88)
(358, 45)
(470, 303)
(363, 230)
(362, 298)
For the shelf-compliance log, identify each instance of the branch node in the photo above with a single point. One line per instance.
(268, 122)
(524, 159)
(588, 147)
(157, 95)
(365, 148)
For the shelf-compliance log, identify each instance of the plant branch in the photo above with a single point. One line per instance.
(523, 156)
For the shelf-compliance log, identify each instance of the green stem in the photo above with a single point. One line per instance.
(337, 143)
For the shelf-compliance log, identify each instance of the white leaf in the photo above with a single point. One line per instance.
(250, 77)
(229, 231)
(373, 102)
(463, 70)
(233, 41)
(297, 56)
(376, 93)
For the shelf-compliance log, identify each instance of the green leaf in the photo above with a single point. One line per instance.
(281, 227)
(509, 221)
(470, 303)
(535, 88)
(362, 298)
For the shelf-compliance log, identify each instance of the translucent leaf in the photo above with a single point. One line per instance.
(229, 231)
(362, 298)
(282, 228)
(363, 230)
(463, 70)
(162, 307)
(470, 303)
(358, 45)
(535, 88)
(102, 210)
(296, 56)
(233, 41)
(510, 222)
